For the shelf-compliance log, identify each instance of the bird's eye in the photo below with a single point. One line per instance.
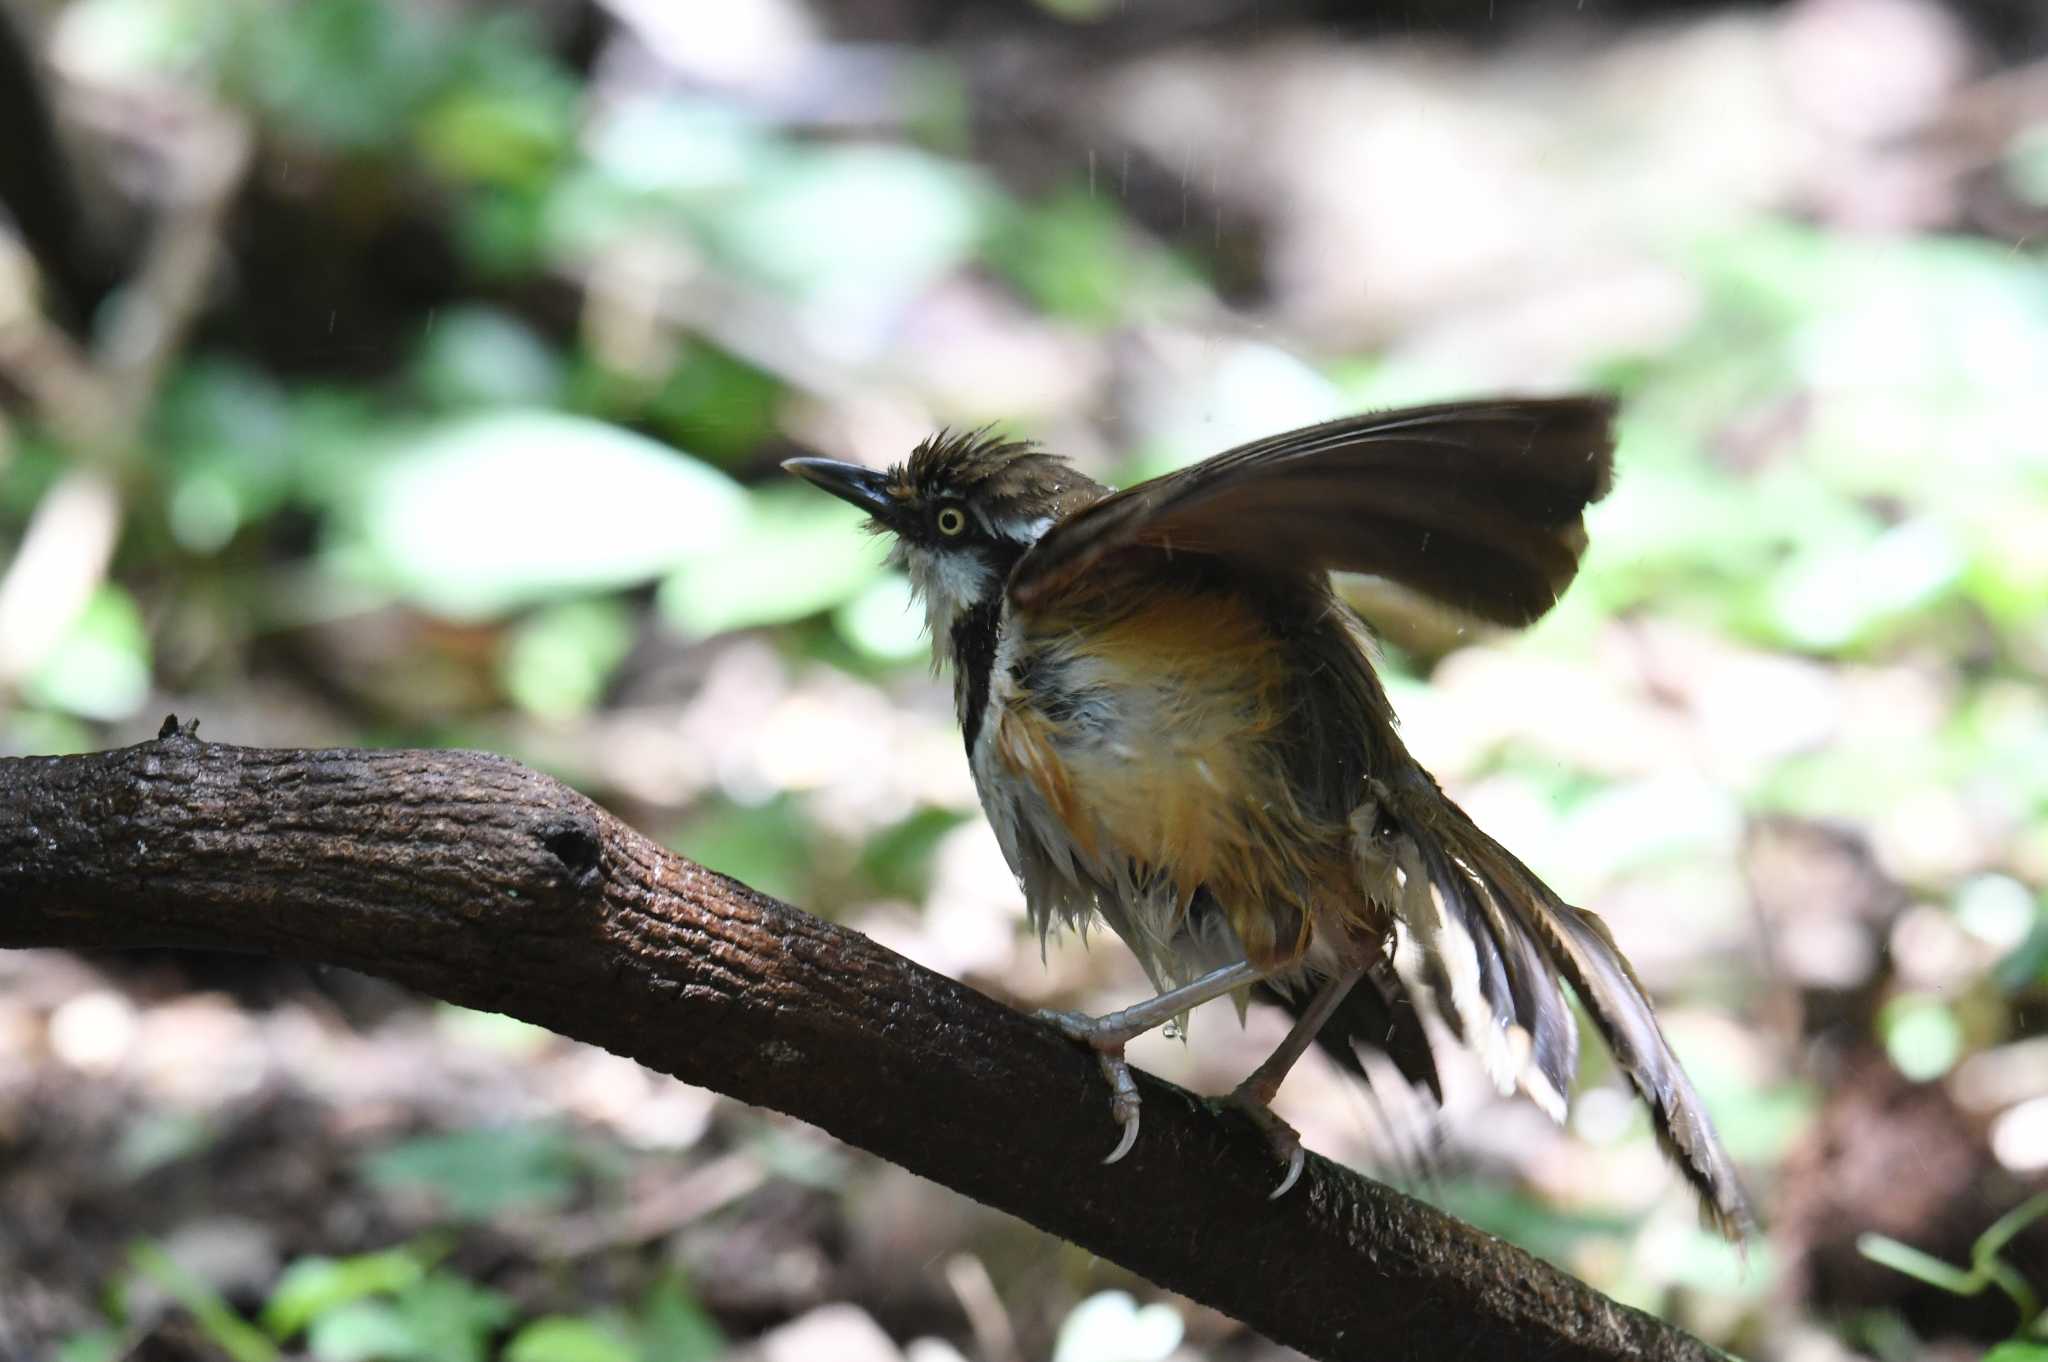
(952, 521)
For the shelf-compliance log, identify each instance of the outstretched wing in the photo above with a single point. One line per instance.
(1475, 504)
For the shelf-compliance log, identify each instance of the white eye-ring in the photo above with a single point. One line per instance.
(952, 521)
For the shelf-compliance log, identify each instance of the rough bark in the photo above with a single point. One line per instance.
(474, 879)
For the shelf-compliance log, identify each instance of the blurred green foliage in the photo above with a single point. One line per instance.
(478, 515)
(478, 1173)
(1988, 1268)
(404, 1305)
(236, 1337)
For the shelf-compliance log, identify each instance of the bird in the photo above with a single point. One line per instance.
(1176, 729)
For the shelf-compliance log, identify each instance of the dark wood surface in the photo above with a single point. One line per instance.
(474, 879)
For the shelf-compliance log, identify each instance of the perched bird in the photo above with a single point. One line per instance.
(1174, 726)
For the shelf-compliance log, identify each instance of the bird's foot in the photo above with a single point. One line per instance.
(1107, 1041)
(1284, 1139)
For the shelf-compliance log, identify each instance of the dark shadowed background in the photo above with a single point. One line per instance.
(416, 374)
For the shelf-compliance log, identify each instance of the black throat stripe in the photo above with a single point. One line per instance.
(974, 638)
(974, 655)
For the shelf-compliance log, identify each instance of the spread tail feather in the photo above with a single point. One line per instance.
(1487, 939)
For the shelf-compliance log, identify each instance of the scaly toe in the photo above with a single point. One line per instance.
(1124, 1103)
(1284, 1139)
(1078, 1027)
(1108, 1045)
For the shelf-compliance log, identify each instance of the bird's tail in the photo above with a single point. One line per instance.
(1487, 940)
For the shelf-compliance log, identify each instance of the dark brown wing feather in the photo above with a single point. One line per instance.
(1476, 504)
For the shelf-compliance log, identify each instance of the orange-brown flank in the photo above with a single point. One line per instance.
(1186, 775)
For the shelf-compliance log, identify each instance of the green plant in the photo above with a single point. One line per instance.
(1987, 1268)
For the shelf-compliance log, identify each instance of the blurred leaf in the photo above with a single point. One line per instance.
(1111, 1326)
(2026, 164)
(2018, 1352)
(491, 1030)
(898, 858)
(223, 403)
(1706, 1263)
(1996, 909)
(101, 667)
(333, 435)
(476, 356)
(478, 1173)
(883, 622)
(502, 234)
(474, 517)
(2008, 572)
(314, 1287)
(504, 138)
(680, 144)
(568, 1338)
(156, 1139)
(205, 512)
(1250, 390)
(876, 222)
(1072, 255)
(92, 1345)
(2026, 965)
(1077, 11)
(440, 1318)
(1759, 1124)
(346, 72)
(765, 846)
(558, 661)
(796, 1156)
(479, 96)
(937, 103)
(452, 1317)
(121, 40)
(1856, 779)
(716, 404)
(1922, 1035)
(1884, 1336)
(674, 1327)
(366, 1331)
(1626, 827)
(1833, 596)
(226, 431)
(32, 732)
(32, 467)
(1916, 360)
(239, 1339)
(797, 553)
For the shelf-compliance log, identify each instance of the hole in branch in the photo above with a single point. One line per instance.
(576, 848)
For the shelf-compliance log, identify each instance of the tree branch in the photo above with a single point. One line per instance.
(477, 880)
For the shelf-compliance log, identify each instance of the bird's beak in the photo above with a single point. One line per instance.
(867, 488)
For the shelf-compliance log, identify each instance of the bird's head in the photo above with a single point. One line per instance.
(962, 509)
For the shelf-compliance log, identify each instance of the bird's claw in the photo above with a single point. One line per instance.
(1296, 1161)
(1108, 1045)
(1124, 1103)
(1284, 1139)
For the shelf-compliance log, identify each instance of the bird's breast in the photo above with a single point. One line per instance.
(1146, 748)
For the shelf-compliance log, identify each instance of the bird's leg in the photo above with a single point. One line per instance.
(1107, 1035)
(1255, 1095)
